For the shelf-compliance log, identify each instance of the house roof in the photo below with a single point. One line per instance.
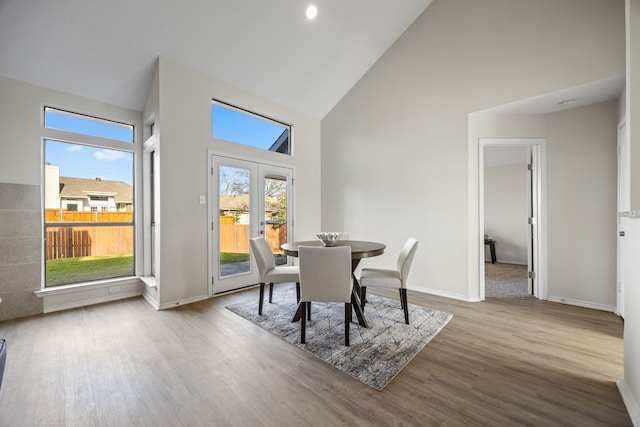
(82, 188)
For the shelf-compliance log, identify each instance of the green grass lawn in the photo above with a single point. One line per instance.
(229, 257)
(74, 270)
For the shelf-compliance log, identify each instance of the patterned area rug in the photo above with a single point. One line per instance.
(376, 354)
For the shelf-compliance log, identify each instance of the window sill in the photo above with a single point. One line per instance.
(150, 281)
(65, 289)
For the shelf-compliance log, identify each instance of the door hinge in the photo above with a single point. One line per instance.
(211, 280)
(531, 167)
(532, 275)
(531, 220)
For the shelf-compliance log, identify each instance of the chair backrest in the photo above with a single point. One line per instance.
(405, 259)
(325, 273)
(263, 256)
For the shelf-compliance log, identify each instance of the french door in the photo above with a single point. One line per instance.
(248, 199)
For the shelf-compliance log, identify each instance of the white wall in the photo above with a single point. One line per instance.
(21, 162)
(582, 177)
(185, 137)
(581, 196)
(506, 210)
(397, 156)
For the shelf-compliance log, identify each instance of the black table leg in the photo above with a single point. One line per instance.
(355, 295)
(355, 302)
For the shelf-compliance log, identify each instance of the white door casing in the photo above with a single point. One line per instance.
(537, 203)
(623, 207)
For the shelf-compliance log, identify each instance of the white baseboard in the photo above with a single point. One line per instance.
(586, 304)
(443, 294)
(629, 401)
(86, 302)
(151, 300)
(178, 303)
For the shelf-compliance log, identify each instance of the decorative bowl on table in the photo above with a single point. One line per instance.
(329, 238)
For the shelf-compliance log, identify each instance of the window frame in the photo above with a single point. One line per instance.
(255, 116)
(89, 118)
(98, 142)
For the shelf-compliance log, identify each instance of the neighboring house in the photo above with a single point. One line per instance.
(87, 194)
(238, 207)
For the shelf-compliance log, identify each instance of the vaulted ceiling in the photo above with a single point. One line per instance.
(107, 50)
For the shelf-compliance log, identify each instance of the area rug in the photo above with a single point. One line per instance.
(376, 354)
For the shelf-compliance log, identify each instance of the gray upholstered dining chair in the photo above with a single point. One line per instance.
(377, 277)
(269, 272)
(325, 276)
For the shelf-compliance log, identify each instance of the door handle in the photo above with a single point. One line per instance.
(261, 231)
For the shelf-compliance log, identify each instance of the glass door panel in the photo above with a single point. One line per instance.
(274, 225)
(234, 201)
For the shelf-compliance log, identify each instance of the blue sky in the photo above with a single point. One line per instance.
(242, 128)
(82, 161)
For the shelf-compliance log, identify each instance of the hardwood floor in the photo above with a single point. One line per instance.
(517, 362)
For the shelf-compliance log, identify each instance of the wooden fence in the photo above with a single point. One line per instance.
(234, 238)
(59, 215)
(70, 242)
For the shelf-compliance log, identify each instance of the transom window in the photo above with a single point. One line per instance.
(87, 125)
(247, 128)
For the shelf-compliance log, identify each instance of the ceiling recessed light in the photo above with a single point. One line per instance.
(567, 102)
(312, 11)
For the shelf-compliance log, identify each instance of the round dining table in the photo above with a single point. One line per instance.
(359, 250)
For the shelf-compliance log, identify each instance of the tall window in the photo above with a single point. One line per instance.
(244, 127)
(89, 200)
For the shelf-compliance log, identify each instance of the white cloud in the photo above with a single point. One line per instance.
(109, 155)
(73, 148)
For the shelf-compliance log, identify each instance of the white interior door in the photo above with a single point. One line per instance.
(151, 203)
(248, 199)
(624, 205)
(532, 199)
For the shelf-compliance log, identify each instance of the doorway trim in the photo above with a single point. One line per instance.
(623, 208)
(539, 146)
(212, 244)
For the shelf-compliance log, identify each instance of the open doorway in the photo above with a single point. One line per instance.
(510, 213)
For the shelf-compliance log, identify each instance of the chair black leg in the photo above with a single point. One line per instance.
(297, 291)
(363, 296)
(347, 321)
(309, 310)
(303, 322)
(261, 298)
(270, 293)
(405, 304)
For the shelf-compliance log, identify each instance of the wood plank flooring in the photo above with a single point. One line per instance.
(517, 362)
